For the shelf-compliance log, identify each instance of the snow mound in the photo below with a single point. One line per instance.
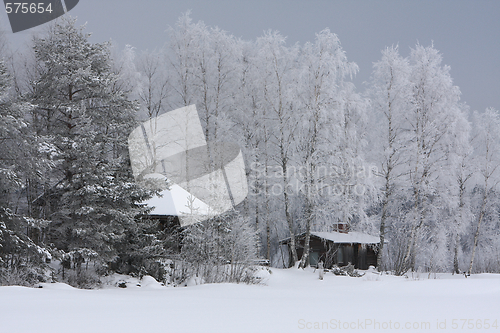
(126, 281)
(194, 281)
(120, 281)
(150, 282)
(55, 286)
(263, 274)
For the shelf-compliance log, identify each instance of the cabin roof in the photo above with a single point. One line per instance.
(342, 238)
(175, 201)
(350, 237)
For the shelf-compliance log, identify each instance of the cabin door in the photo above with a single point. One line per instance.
(362, 256)
(313, 259)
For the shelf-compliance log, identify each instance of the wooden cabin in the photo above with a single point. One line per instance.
(337, 248)
(171, 230)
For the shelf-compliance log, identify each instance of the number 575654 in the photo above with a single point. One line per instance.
(27, 7)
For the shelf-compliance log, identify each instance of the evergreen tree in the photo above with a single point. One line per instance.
(91, 196)
(11, 127)
(21, 260)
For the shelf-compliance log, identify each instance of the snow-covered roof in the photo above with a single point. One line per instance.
(351, 237)
(344, 238)
(174, 202)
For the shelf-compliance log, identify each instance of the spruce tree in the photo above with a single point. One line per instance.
(21, 259)
(91, 197)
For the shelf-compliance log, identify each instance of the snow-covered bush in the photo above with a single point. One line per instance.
(346, 271)
(85, 279)
(221, 249)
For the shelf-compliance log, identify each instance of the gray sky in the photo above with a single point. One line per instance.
(466, 32)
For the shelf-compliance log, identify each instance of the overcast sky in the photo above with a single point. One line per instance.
(466, 32)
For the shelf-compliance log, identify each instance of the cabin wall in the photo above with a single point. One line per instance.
(172, 229)
(360, 255)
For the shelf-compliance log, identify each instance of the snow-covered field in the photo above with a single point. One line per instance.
(290, 301)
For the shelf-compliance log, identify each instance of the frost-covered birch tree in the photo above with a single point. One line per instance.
(390, 99)
(431, 122)
(329, 110)
(247, 117)
(487, 126)
(155, 88)
(462, 166)
(276, 64)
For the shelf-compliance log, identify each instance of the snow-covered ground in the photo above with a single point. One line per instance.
(290, 301)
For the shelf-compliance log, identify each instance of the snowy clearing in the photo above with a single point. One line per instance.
(291, 301)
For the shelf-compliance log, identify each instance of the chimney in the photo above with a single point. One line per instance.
(341, 227)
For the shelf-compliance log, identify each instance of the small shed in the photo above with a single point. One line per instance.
(337, 248)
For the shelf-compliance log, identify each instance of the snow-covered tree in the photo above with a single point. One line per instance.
(220, 249)
(329, 136)
(155, 87)
(487, 126)
(183, 48)
(276, 65)
(21, 256)
(431, 122)
(463, 166)
(130, 79)
(390, 97)
(12, 124)
(90, 193)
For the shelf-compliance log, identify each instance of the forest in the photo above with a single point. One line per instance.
(400, 157)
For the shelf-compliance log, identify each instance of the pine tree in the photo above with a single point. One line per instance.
(11, 127)
(21, 260)
(92, 198)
